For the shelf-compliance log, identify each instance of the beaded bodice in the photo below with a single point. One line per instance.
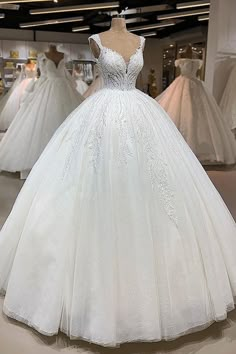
(188, 67)
(54, 71)
(116, 72)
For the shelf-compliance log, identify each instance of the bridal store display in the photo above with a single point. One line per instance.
(53, 98)
(81, 85)
(96, 85)
(41, 68)
(118, 234)
(11, 104)
(228, 101)
(196, 114)
(5, 96)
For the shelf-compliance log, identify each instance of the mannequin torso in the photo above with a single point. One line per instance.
(117, 38)
(54, 55)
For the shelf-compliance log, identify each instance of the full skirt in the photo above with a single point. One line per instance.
(118, 234)
(197, 116)
(228, 101)
(42, 112)
(11, 104)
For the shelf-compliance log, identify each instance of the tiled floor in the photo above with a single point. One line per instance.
(220, 338)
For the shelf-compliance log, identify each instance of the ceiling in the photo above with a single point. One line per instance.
(98, 20)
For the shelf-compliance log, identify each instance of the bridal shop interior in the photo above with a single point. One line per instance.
(113, 114)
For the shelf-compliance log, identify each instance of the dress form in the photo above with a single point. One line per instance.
(54, 55)
(117, 38)
(188, 53)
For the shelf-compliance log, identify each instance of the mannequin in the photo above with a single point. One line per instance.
(30, 65)
(119, 39)
(188, 53)
(54, 55)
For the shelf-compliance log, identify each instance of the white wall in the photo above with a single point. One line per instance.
(221, 48)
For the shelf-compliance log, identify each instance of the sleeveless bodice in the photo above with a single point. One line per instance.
(116, 72)
(29, 73)
(54, 71)
(188, 67)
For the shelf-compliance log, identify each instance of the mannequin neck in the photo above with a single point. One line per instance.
(118, 25)
(53, 49)
(189, 52)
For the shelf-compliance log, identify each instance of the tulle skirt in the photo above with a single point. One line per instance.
(228, 101)
(40, 115)
(81, 86)
(11, 104)
(95, 86)
(118, 234)
(197, 116)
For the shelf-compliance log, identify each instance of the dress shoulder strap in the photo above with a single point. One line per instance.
(96, 39)
(142, 42)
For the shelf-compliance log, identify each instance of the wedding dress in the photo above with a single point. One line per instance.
(41, 65)
(81, 85)
(118, 234)
(197, 116)
(95, 86)
(14, 100)
(228, 101)
(4, 98)
(52, 100)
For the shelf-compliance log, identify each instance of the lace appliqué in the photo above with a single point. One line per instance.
(157, 167)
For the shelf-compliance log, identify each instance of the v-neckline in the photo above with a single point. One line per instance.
(56, 65)
(121, 56)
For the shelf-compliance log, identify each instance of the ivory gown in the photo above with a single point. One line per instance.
(118, 234)
(11, 106)
(50, 102)
(228, 101)
(197, 116)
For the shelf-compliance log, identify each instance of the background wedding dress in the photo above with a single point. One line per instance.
(118, 234)
(51, 101)
(41, 66)
(81, 85)
(4, 97)
(14, 98)
(197, 116)
(228, 101)
(96, 85)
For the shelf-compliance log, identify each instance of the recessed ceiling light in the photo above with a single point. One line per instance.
(203, 18)
(104, 5)
(153, 26)
(149, 34)
(183, 14)
(78, 29)
(141, 10)
(10, 7)
(191, 4)
(51, 22)
(21, 1)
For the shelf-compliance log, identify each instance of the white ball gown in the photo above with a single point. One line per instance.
(4, 97)
(118, 234)
(228, 101)
(40, 115)
(96, 85)
(41, 61)
(197, 116)
(14, 99)
(81, 85)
